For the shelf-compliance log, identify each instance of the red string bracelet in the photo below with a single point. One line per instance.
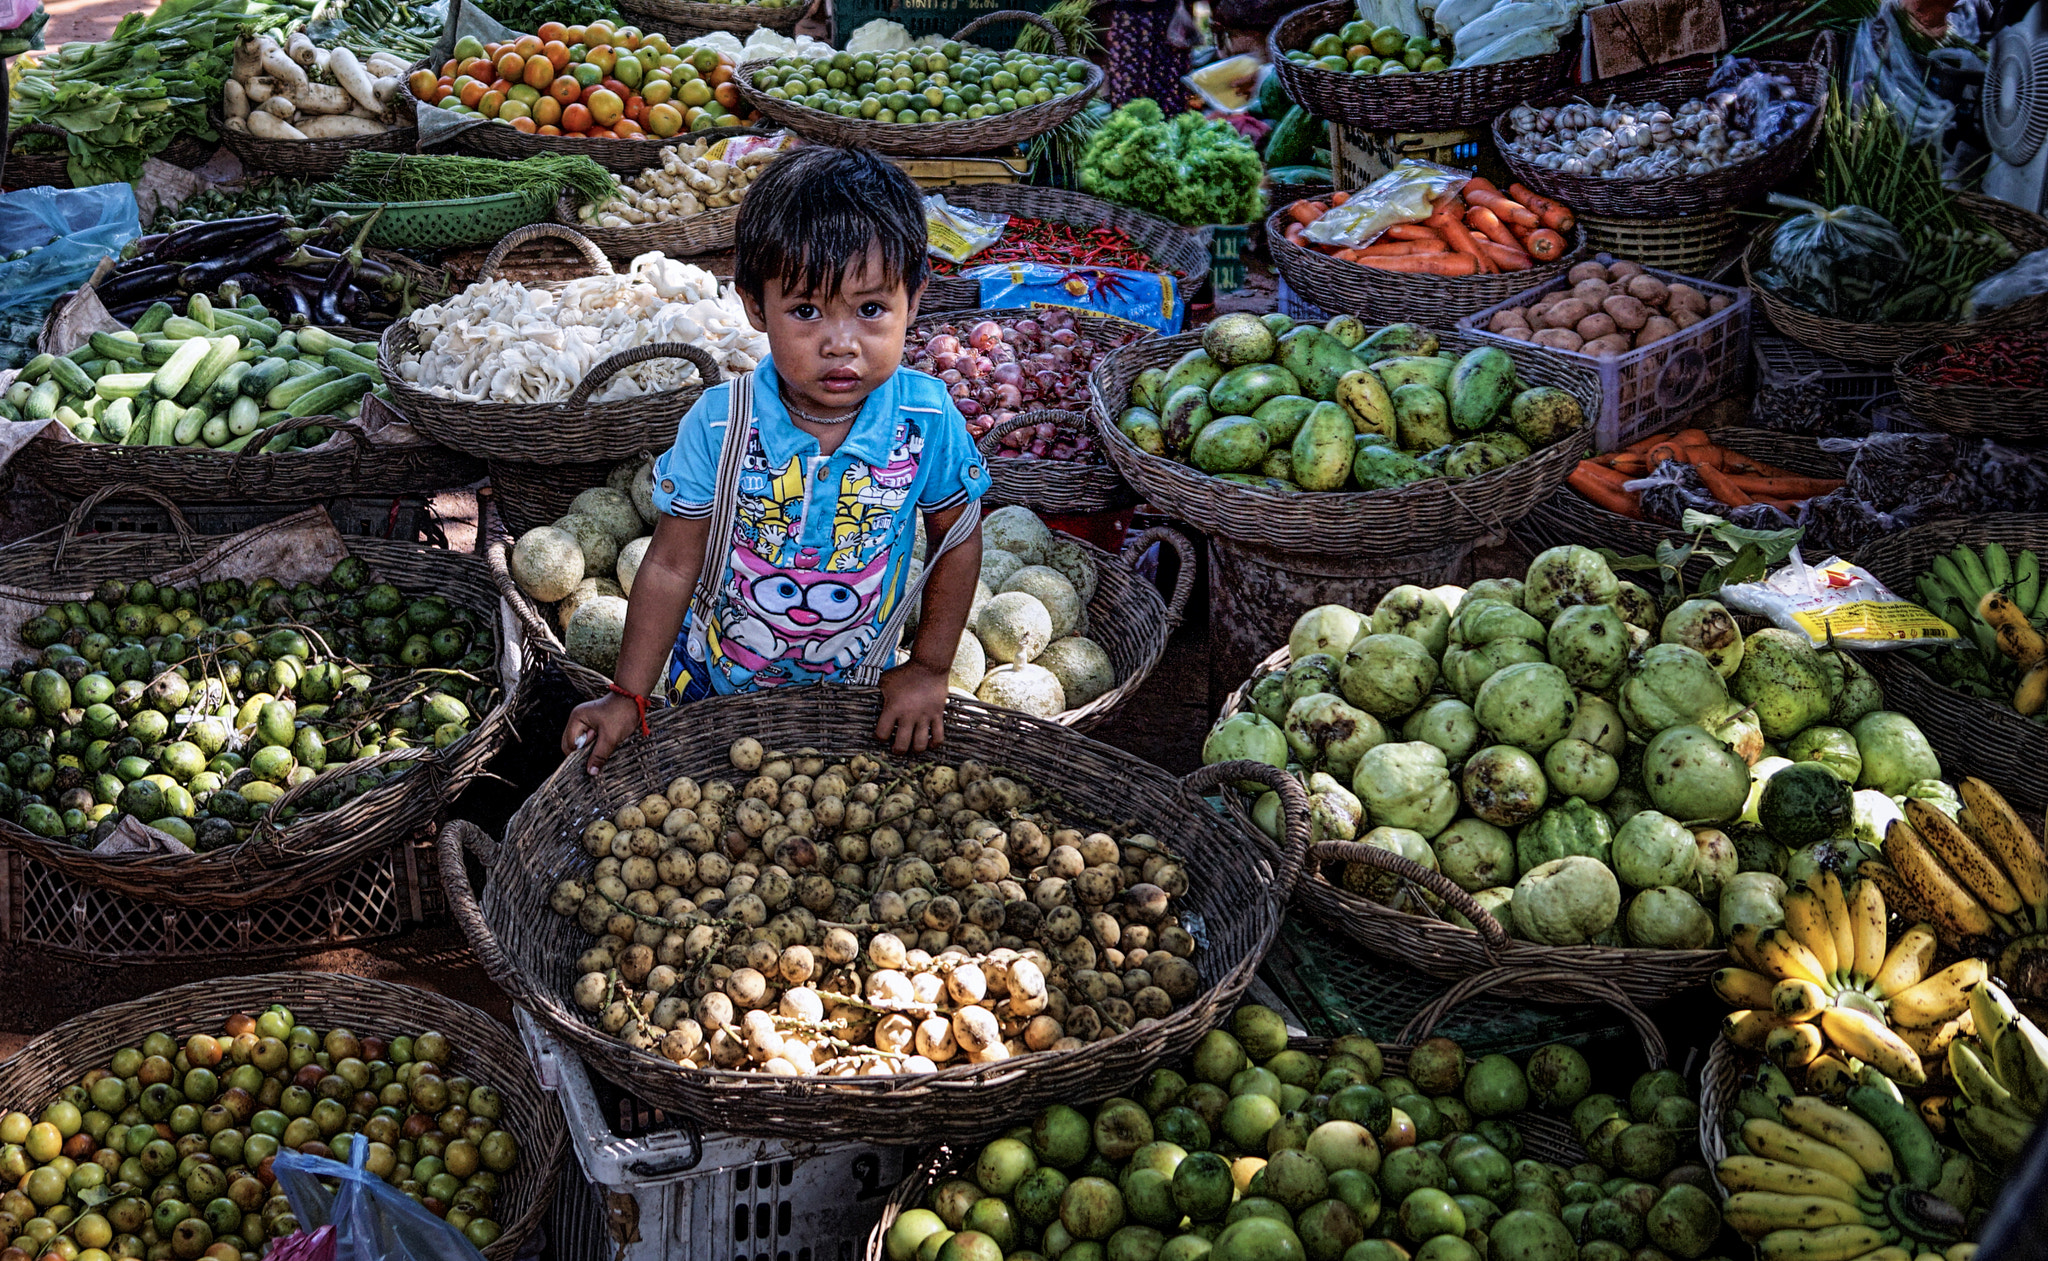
(639, 703)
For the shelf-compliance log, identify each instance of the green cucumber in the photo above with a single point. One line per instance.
(199, 308)
(163, 422)
(323, 399)
(17, 394)
(216, 360)
(118, 419)
(112, 347)
(36, 369)
(235, 322)
(158, 353)
(266, 375)
(70, 377)
(250, 302)
(80, 355)
(69, 418)
(97, 368)
(214, 432)
(244, 417)
(285, 341)
(123, 384)
(9, 411)
(42, 402)
(251, 353)
(177, 370)
(229, 383)
(280, 443)
(318, 341)
(91, 407)
(190, 421)
(182, 327)
(153, 319)
(300, 382)
(349, 361)
(88, 430)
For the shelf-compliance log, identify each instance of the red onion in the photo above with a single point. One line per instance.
(995, 370)
(986, 335)
(944, 344)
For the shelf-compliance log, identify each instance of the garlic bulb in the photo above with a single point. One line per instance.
(1618, 140)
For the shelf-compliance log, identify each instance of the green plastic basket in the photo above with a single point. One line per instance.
(448, 225)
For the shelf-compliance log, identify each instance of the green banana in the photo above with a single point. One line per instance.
(1997, 1138)
(1958, 1183)
(1946, 573)
(1777, 1087)
(1992, 1013)
(1932, 596)
(1925, 1216)
(1973, 571)
(1997, 566)
(1977, 1081)
(2040, 609)
(1913, 1145)
(2026, 581)
(1752, 1102)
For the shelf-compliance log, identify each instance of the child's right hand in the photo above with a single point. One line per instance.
(606, 722)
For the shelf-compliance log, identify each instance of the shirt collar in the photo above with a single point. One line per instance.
(874, 430)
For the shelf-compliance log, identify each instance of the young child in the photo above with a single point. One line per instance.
(789, 499)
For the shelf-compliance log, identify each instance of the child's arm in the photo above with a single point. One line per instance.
(914, 694)
(662, 588)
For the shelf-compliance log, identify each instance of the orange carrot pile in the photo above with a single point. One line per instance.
(1729, 476)
(1477, 230)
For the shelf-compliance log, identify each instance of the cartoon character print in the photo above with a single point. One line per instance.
(870, 498)
(771, 505)
(775, 625)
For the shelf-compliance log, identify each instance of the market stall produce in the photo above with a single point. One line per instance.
(1989, 387)
(1664, 476)
(301, 107)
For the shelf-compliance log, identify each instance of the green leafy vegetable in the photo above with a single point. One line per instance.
(1190, 169)
(373, 176)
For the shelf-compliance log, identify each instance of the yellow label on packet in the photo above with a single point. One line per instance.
(1872, 620)
(947, 241)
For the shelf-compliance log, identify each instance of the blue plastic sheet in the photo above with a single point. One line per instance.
(70, 230)
(373, 1220)
(1150, 298)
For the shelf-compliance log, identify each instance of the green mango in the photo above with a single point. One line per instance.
(1192, 368)
(274, 723)
(1366, 401)
(1149, 390)
(1278, 463)
(1422, 419)
(1481, 384)
(1545, 414)
(1142, 427)
(1282, 416)
(1322, 450)
(1470, 459)
(1187, 410)
(1317, 360)
(1277, 322)
(1229, 444)
(1398, 339)
(1242, 391)
(1415, 370)
(1348, 329)
(1506, 441)
(1378, 467)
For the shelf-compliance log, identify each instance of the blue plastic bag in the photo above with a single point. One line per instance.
(70, 230)
(1150, 298)
(373, 1220)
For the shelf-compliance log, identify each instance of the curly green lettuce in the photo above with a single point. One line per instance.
(1190, 169)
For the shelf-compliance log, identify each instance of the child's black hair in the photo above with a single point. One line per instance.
(814, 212)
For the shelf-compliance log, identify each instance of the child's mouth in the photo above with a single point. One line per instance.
(840, 382)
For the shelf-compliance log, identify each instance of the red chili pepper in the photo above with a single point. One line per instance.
(1029, 240)
(2012, 360)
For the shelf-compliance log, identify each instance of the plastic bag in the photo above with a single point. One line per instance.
(1765, 105)
(70, 230)
(1839, 262)
(1883, 61)
(1153, 299)
(373, 1220)
(307, 1245)
(1405, 194)
(956, 233)
(1839, 600)
(2024, 279)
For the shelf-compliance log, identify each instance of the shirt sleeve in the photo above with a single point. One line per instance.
(686, 473)
(956, 474)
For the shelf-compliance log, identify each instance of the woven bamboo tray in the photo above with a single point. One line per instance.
(1886, 343)
(1685, 245)
(482, 1050)
(1438, 101)
(1680, 194)
(529, 495)
(1568, 517)
(26, 170)
(707, 233)
(1233, 889)
(1180, 252)
(1439, 513)
(1338, 287)
(669, 16)
(2012, 414)
(931, 140)
(575, 430)
(272, 863)
(314, 158)
(1971, 735)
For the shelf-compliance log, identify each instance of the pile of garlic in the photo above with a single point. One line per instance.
(1632, 142)
(503, 342)
(691, 179)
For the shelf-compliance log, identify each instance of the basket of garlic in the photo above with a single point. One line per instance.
(686, 204)
(596, 368)
(300, 109)
(1671, 143)
(831, 943)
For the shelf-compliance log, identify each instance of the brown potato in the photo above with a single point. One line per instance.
(1520, 333)
(1504, 320)
(1595, 326)
(1592, 291)
(1686, 319)
(1655, 328)
(1588, 270)
(1648, 290)
(1606, 347)
(1628, 313)
(1718, 303)
(1558, 339)
(1686, 298)
(1622, 270)
(1569, 312)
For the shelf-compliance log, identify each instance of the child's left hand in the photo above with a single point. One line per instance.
(913, 708)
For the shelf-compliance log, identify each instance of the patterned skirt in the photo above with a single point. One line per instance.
(1142, 60)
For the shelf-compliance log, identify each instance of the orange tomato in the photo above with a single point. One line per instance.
(548, 129)
(526, 125)
(492, 50)
(501, 85)
(627, 129)
(629, 36)
(526, 45)
(539, 71)
(511, 66)
(722, 73)
(664, 120)
(576, 117)
(602, 133)
(551, 30)
(479, 68)
(727, 94)
(606, 106)
(565, 90)
(616, 87)
(557, 53)
(449, 68)
(421, 83)
(636, 109)
(598, 34)
(575, 35)
(547, 110)
(472, 92)
(490, 104)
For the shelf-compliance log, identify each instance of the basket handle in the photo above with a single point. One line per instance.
(534, 231)
(498, 555)
(1183, 580)
(1059, 41)
(1037, 416)
(462, 902)
(1293, 808)
(606, 369)
(1573, 984)
(75, 523)
(1490, 931)
(291, 424)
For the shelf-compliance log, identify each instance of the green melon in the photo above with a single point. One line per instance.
(1803, 803)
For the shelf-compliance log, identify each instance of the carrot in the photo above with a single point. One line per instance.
(1400, 249)
(1504, 258)
(1628, 462)
(1448, 201)
(1446, 264)
(1692, 438)
(1509, 211)
(1350, 255)
(1545, 245)
(1482, 184)
(1554, 214)
(1488, 224)
(1293, 234)
(1643, 444)
(1461, 240)
(1412, 232)
(1664, 451)
(1305, 212)
(1786, 487)
(1613, 477)
(1722, 487)
(1338, 199)
(1602, 495)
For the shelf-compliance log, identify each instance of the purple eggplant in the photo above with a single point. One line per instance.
(208, 240)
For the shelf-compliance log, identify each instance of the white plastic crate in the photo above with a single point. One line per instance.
(1651, 388)
(1782, 363)
(652, 1188)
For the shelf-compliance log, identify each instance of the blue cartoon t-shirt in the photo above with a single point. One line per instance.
(821, 548)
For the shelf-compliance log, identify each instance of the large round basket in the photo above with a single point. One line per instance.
(1054, 486)
(1986, 738)
(707, 233)
(1127, 617)
(457, 223)
(2008, 413)
(930, 140)
(1568, 517)
(1182, 253)
(1438, 513)
(575, 430)
(674, 16)
(1233, 889)
(1436, 101)
(1680, 194)
(1452, 952)
(482, 1050)
(26, 170)
(1720, 1081)
(274, 862)
(1886, 343)
(1686, 244)
(529, 495)
(314, 158)
(1340, 287)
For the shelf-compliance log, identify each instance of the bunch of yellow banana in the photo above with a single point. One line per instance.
(1981, 878)
(1823, 989)
(2003, 1075)
(1814, 1182)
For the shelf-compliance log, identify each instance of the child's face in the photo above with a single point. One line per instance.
(831, 354)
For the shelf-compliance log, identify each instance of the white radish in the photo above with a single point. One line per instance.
(386, 92)
(234, 102)
(290, 75)
(336, 126)
(280, 107)
(323, 98)
(349, 73)
(384, 65)
(270, 127)
(301, 48)
(248, 58)
(260, 89)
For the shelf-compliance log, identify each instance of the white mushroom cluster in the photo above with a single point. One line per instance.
(1620, 141)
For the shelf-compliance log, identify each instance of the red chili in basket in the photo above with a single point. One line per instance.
(1028, 240)
(2013, 360)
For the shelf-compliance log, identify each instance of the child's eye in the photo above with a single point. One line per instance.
(803, 311)
(873, 310)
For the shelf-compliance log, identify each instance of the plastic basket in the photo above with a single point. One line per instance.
(1359, 156)
(1296, 307)
(1782, 363)
(1645, 389)
(452, 224)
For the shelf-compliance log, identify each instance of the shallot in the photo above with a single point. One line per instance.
(996, 370)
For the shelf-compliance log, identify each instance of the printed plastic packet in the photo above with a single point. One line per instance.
(1153, 299)
(1405, 194)
(957, 233)
(1839, 600)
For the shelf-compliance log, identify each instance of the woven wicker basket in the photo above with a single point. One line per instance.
(1438, 101)
(671, 16)
(575, 430)
(1235, 892)
(1680, 194)
(315, 158)
(707, 233)
(1985, 738)
(1339, 287)
(1438, 513)
(26, 170)
(1886, 343)
(272, 863)
(1720, 1081)
(1568, 517)
(1182, 253)
(529, 495)
(483, 1050)
(1127, 617)
(1685, 245)
(457, 223)
(931, 140)
(2012, 414)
